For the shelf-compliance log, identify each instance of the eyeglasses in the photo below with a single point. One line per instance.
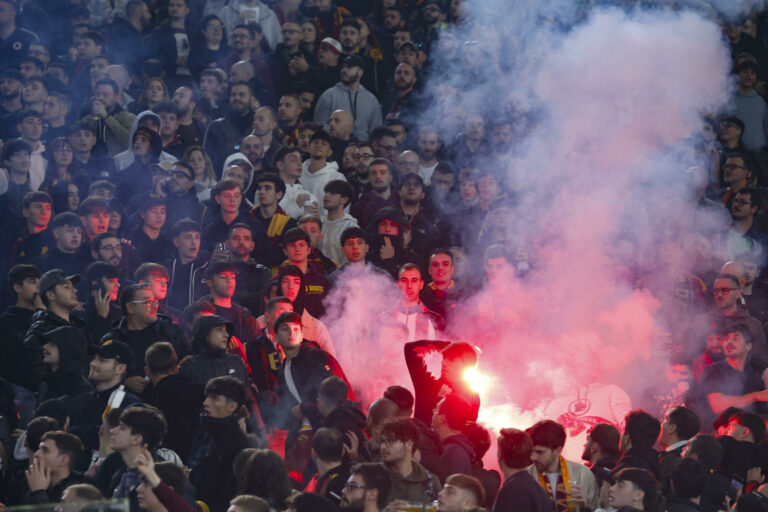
(723, 291)
(364, 156)
(149, 302)
(354, 486)
(730, 167)
(181, 174)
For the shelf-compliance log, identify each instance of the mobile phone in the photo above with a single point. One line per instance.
(735, 488)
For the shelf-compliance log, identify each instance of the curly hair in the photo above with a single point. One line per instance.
(265, 476)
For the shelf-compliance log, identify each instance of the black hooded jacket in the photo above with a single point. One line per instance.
(376, 242)
(44, 322)
(210, 362)
(643, 458)
(137, 177)
(14, 324)
(162, 330)
(68, 379)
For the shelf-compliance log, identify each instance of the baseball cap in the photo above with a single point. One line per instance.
(332, 44)
(114, 349)
(354, 60)
(54, 277)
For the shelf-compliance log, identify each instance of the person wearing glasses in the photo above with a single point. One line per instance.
(367, 488)
(140, 327)
(727, 313)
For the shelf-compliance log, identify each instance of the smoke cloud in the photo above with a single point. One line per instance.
(610, 106)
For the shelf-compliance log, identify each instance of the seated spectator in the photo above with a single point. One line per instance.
(52, 467)
(375, 483)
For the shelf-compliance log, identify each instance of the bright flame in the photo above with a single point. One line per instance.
(477, 381)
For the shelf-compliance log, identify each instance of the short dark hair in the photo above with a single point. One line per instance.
(498, 251)
(96, 242)
(272, 303)
(37, 427)
(376, 476)
(547, 433)
(606, 436)
(341, 187)
(128, 294)
(101, 184)
(91, 205)
(146, 421)
(228, 387)
(753, 422)
(173, 475)
(328, 444)
(409, 266)
(287, 317)
(401, 396)
(460, 351)
(378, 161)
(184, 225)
(294, 235)
(380, 132)
(515, 448)
(353, 232)
(281, 153)
(729, 277)
(308, 217)
(707, 449)
(21, 115)
(333, 390)
(642, 428)
(14, 146)
(441, 250)
(148, 269)
(754, 196)
(686, 422)
(226, 184)
(350, 21)
(67, 444)
(19, 273)
(161, 357)
(167, 107)
(200, 306)
(272, 178)
(401, 429)
(689, 478)
(642, 480)
(109, 82)
(239, 225)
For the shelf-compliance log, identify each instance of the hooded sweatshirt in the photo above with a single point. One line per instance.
(68, 379)
(126, 158)
(315, 182)
(210, 362)
(137, 177)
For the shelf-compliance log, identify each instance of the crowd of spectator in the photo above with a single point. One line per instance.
(184, 182)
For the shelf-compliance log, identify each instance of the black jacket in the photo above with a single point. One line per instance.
(213, 451)
(86, 410)
(208, 361)
(14, 324)
(265, 362)
(643, 458)
(53, 494)
(521, 493)
(68, 379)
(181, 401)
(246, 327)
(44, 322)
(162, 330)
(186, 283)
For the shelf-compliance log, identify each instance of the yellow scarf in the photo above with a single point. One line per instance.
(562, 503)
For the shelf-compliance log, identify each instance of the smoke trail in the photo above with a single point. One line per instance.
(612, 103)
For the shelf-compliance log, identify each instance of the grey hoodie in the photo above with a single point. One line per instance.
(125, 158)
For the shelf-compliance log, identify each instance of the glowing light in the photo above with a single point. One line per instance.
(477, 381)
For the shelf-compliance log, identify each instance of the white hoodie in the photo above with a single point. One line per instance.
(330, 245)
(315, 182)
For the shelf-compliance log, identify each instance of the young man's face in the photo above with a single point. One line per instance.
(218, 337)
(291, 165)
(240, 242)
(95, 223)
(297, 252)
(121, 438)
(230, 200)
(394, 450)
(726, 292)
(102, 369)
(314, 231)
(454, 499)
(353, 494)
(38, 214)
(543, 457)
(380, 177)
(49, 454)
(188, 244)
(428, 145)
(65, 295)
(31, 128)
(320, 148)
(158, 283)
(291, 286)
(51, 353)
(154, 218)
(18, 162)
(82, 140)
(622, 494)
(304, 136)
(735, 345)
(289, 335)
(34, 92)
(141, 145)
(333, 201)
(499, 269)
(219, 406)
(410, 284)
(28, 289)
(289, 110)
(440, 268)
(169, 123)
(223, 284)
(280, 308)
(107, 95)
(267, 194)
(389, 227)
(355, 249)
(112, 286)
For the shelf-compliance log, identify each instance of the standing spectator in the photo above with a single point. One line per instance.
(751, 107)
(14, 40)
(224, 133)
(252, 11)
(338, 195)
(210, 342)
(110, 122)
(351, 96)
(520, 492)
